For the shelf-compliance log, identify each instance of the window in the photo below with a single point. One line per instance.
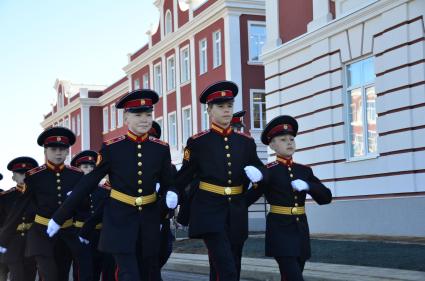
(61, 101)
(73, 128)
(361, 112)
(158, 79)
(145, 81)
(171, 74)
(66, 123)
(159, 121)
(120, 117)
(168, 22)
(187, 123)
(185, 65)
(105, 119)
(217, 49)
(78, 125)
(205, 119)
(257, 38)
(172, 129)
(113, 116)
(136, 84)
(203, 56)
(258, 110)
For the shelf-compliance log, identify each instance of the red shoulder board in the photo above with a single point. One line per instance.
(244, 134)
(74, 168)
(158, 141)
(200, 134)
(36, 170)
(271, 164)
(114, 140)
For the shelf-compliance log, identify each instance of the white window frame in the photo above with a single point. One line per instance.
(168, 22)
(250, 24)
(190, 131)
(66, 122)
(136, 84)
(145, 79)
(73, 128)
(120, 117)
(113, 117)
(183, 61)
(157, 83)
(160, 121)
(367, 155)
(174, 145)
(205, 118)
(251, 101)
(105, 118)
(216, 49)
(203, 52)
(78, 125)
(171, 74)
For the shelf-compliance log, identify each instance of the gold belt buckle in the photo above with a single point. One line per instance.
(139, 201)
(294, 210)
(227, 191)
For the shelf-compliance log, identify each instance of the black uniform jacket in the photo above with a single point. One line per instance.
(134, 167)
(218, 156)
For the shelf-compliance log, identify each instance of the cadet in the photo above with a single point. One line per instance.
(217, 157)
(237, 120)
(285, 187)
(21, 268)
(3, 267)
(135, 162)
(47, 186)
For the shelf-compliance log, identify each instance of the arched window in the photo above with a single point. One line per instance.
(168, 22)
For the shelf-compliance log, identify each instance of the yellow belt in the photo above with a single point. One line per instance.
(223, 190)
(45, 221)
(131, 200)
(80, 224)
(282, 210)
(23, 227)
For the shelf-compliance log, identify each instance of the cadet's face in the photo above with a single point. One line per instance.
(86, 168)
(221, 113)
(56, 155)
(283, 145)
(18, 177)
(139, 123)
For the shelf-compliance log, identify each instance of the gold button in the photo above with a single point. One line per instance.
(22, 234)
(92, 212)
(139, 201)
(228, 155)
(229, 163)
(226, 139)
(59, 188)
(23, 218)
(59, 202)
(226, 147)
(59, 195)
(294, 210)
(289, 169)
(139, 146)
(229, 181)
(291, 175)
(139, 164)
(296, 204)
(229, 172)
(57, 174)
(139, 181)
(58, 180)
(298, 219)
(227, 191)
(140, 190)
(139, 173)
(140, 208)
(139, 154)
(229, 199)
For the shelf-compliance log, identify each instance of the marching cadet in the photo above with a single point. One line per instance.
(21, 268)
(97, 261)
(218, 157)
(3, 267)
(135, 162)
(285, 187)
(237, 120)
(47, 186)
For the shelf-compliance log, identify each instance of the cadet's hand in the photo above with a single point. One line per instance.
(299, 185)
(253, 173)
(171, 199)
(157, 186)
(3, 250)
(84, 241)
(52, 228)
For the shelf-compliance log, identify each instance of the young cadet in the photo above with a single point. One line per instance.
(217, 157)
(285, 187)
(135, 162)
(99, 263)
(47, 186)
(21, 268)
(237, 120)
(3, 267)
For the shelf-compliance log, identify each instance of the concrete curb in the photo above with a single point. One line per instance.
(267, 270)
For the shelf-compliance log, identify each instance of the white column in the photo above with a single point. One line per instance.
(164, 97)
(321, 14)
(178, 100)
(272, 25)
(161, 21)
(149, 34)
(175, 15)
(232, 51)
(193, 84)
(189, 2)
(130, 82)
(85, 126)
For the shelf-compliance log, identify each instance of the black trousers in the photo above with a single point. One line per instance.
(237, 256)
(3, 272)
(291, 268)
(131, 267)
(23, 270)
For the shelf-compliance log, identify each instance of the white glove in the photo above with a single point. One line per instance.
(157, 186)
(68, 193)
(84, 241)
(52, 228)
(171, 199)
(250, 185)
(3, 250)
(102, 182)
(253, 173)
(299, 185)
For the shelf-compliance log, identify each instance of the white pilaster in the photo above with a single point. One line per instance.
(193, 84)
(178, 100)
(161, 21)
(164, 97)
(85, 126)
(272, 24)
(175, 15)
(321, 14)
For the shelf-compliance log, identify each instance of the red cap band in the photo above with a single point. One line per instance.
(220, 94)
(60, 139)
(85, 159)
(19, 166)
(279, 128)
(138, 103)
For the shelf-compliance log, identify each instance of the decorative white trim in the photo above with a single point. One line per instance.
(178, 97)
(193, 81)
(175, 74)
(85, 127)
